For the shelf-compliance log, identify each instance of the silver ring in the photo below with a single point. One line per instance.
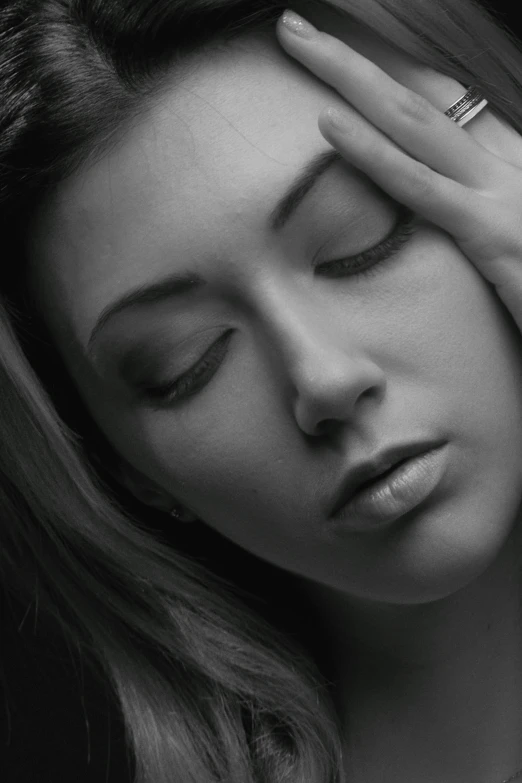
(467, 107)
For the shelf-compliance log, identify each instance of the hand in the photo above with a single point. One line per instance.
(421, 158)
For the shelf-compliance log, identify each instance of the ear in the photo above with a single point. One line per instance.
(143, 488)
(147, 491)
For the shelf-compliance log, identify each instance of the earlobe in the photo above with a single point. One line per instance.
(147, 491)
(157, 499)
(143, 488)
(182, 514)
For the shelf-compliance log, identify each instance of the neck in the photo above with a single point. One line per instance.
(431, 692)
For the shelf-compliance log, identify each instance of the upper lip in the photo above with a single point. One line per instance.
(370, 469)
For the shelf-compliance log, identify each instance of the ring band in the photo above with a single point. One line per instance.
(469, 105)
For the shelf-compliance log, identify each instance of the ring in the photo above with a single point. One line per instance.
(469, 105)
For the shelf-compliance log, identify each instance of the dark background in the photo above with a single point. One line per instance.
(507, 11)
(58, 720)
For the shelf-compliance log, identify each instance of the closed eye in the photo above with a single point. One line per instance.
(194, 379)
(365, 263)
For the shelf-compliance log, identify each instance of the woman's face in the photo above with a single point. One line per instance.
(300, 370)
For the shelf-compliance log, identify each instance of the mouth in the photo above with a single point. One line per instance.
(383, 472)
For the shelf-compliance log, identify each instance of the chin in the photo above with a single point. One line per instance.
(446, 552)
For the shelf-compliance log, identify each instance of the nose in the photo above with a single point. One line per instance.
(329, 375)
(331, 387)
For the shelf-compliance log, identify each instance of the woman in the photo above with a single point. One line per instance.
(237, 317)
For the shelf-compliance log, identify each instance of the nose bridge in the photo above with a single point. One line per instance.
(308, 338)
(321, 361)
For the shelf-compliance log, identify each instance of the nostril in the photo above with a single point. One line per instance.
(327, 426)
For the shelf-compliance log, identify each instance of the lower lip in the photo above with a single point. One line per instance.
(399, 492)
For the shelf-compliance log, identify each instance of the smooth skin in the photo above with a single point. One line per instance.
(320, 372)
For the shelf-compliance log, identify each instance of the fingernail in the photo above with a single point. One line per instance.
(337, 119)
(297, 25)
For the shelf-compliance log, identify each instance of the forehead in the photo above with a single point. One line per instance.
(197, 174)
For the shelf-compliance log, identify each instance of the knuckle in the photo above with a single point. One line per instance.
(421, 181)
(416, 108)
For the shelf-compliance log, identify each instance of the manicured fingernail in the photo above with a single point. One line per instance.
(337, 119)
(297, 25)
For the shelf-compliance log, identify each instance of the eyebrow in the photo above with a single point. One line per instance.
(177, 284)
(306, 180)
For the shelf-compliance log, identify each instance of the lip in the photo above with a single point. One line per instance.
(367, 492)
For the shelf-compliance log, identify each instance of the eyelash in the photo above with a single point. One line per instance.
(366, 263)
(188, 384)
(198, 376)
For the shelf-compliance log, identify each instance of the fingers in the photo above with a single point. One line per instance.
(450, 204)
(405, 116)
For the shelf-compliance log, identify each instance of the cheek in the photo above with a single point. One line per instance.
(225, 454)
(233, 464)
(464, 346)
(458, 327)
(241, 474)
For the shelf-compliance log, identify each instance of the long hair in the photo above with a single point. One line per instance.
(214, 683)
